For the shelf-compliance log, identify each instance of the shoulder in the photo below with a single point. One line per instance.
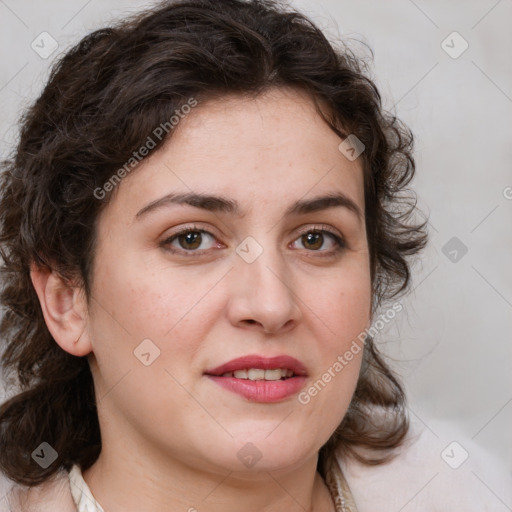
(51, 496)
(437, 469)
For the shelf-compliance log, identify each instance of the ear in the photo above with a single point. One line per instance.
(64, 309)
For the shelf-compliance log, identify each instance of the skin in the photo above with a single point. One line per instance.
(171, 435)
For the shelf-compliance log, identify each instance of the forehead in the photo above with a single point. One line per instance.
(270, 150)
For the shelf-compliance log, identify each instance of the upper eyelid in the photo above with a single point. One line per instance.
(306, 228)
(302, 230)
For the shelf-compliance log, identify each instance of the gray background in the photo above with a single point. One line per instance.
(452, 343)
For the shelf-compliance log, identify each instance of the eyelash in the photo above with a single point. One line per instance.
(317, 229)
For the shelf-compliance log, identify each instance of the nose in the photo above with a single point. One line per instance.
(263, 295)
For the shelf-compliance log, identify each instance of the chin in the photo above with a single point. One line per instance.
(251, 454)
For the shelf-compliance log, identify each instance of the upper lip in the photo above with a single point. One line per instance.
(264, 363)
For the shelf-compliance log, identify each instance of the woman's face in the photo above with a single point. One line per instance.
(257, 273)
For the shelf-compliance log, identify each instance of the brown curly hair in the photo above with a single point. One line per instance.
(103, 98)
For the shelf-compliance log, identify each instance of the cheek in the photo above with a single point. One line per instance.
(146, 299)
(144, 333)
(341, 312)
(141, 301)
(342, 302)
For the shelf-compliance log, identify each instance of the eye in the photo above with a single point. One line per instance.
(314, 239)
(190, 239)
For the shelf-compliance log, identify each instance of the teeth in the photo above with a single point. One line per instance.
(259, 374)
(274, 374)
(255, 374)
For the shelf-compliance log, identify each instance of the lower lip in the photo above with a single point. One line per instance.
(264, 391)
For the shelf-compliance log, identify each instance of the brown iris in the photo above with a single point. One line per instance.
(316, 239)
(193, 239)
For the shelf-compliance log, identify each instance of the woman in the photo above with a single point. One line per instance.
(201, 222)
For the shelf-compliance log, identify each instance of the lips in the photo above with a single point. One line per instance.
(264, 363)
(260, 390)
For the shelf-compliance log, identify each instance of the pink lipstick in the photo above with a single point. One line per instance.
(261, 379)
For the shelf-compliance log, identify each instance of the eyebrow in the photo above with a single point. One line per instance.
(221, 204)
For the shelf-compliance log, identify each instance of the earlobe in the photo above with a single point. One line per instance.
(64, 310)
